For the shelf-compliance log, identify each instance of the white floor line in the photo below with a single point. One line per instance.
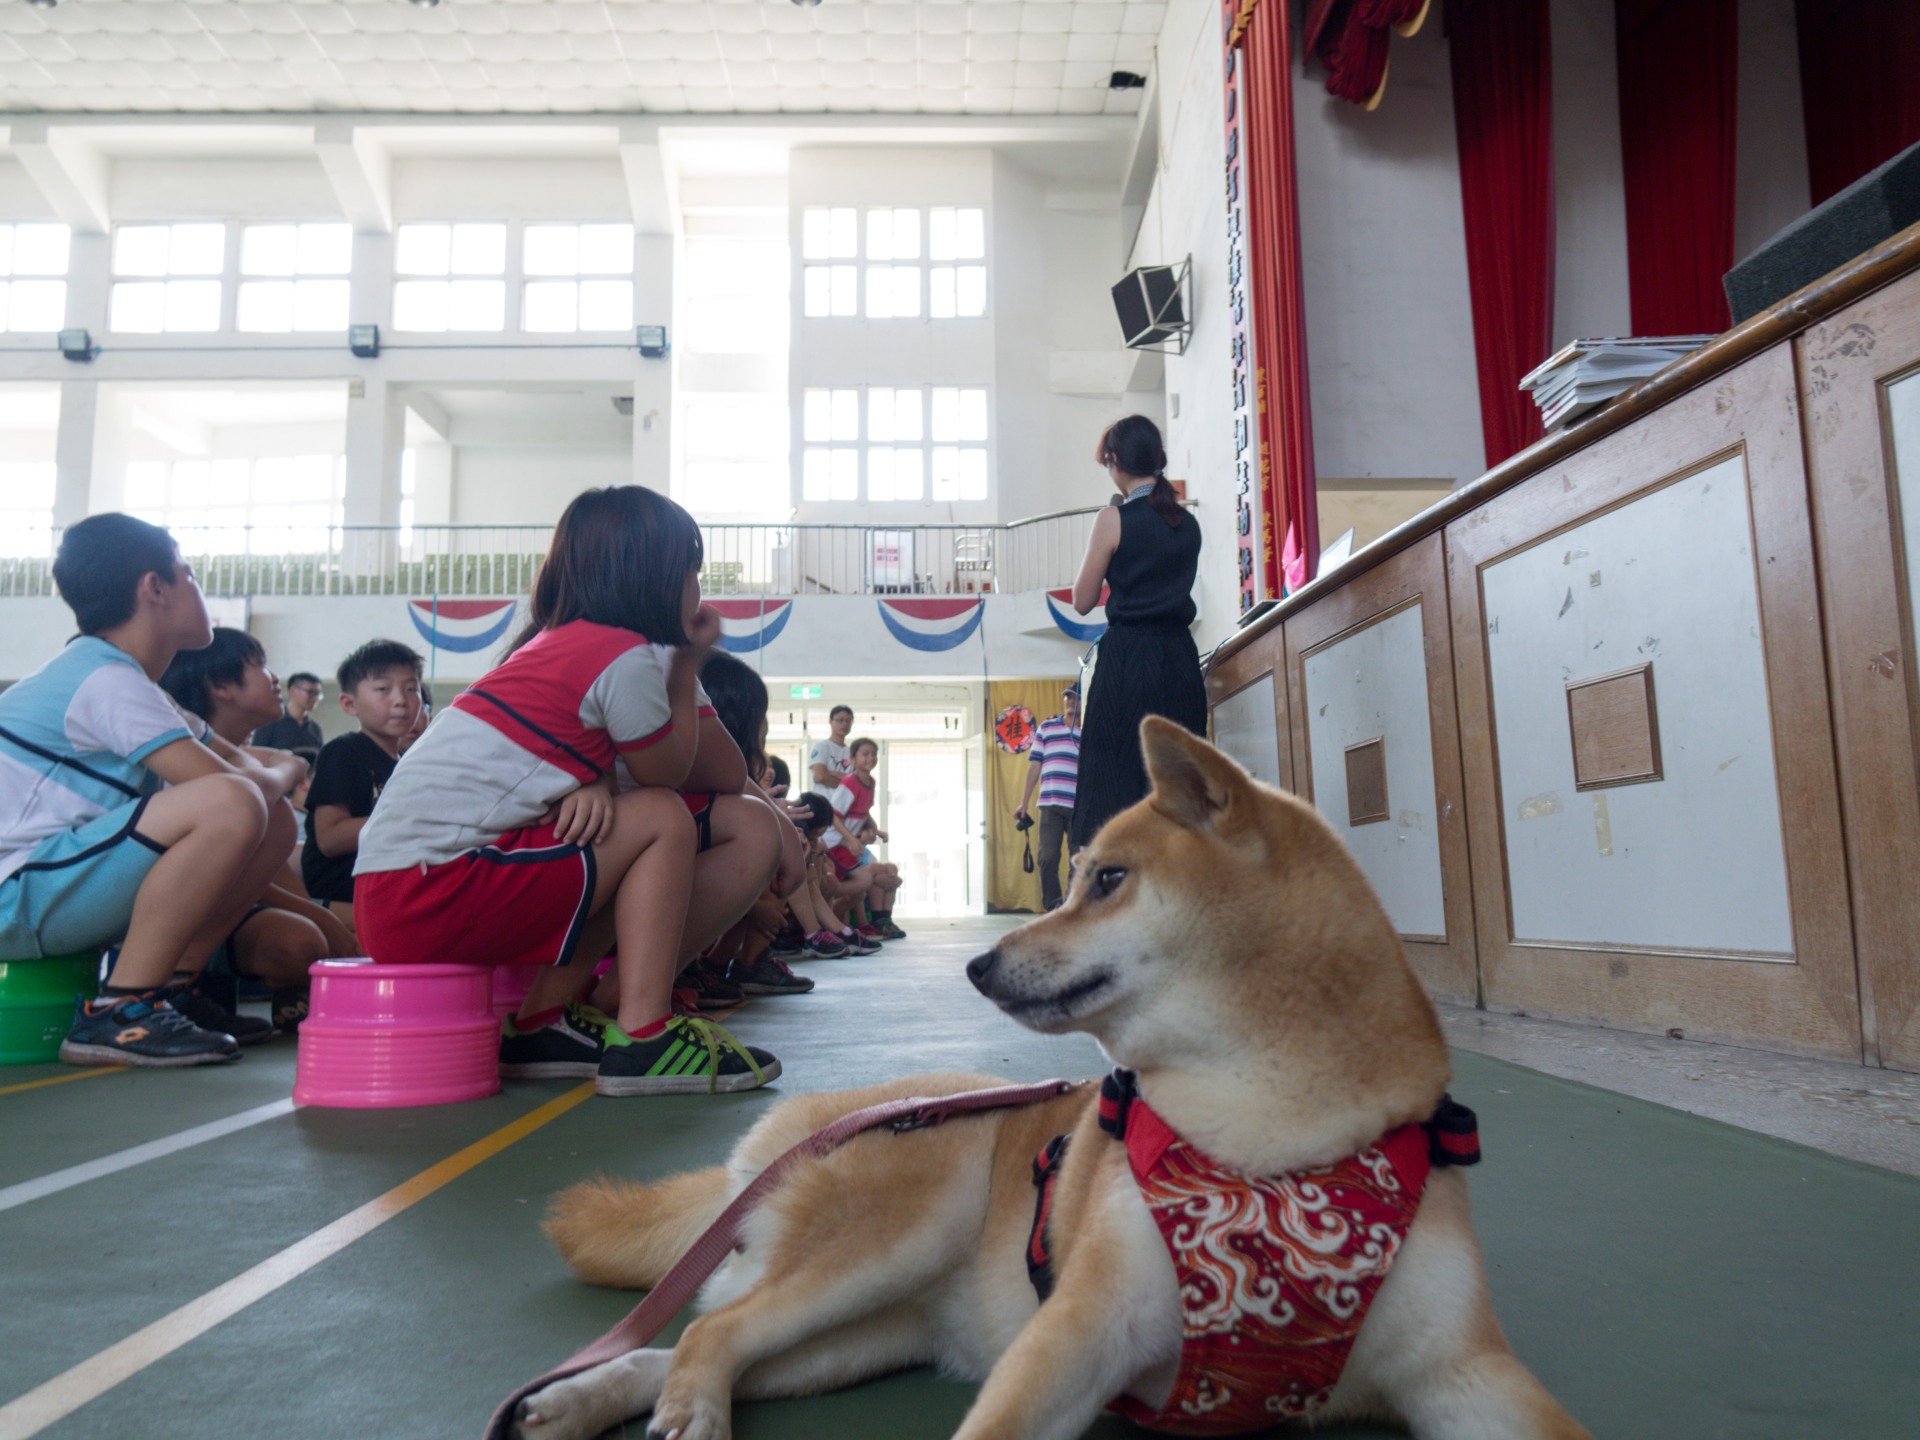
(139, 1154)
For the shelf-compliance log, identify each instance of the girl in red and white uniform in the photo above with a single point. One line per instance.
(852, 803)
(502, 838)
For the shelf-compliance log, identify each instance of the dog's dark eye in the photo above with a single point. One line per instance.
(1107, 879)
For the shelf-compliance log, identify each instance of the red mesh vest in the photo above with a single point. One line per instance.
(1276, 1273)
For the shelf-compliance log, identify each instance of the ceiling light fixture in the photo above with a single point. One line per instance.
(806, 4)
(43, 4)
(426, 4)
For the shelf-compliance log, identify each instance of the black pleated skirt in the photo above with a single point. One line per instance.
(1142, 671)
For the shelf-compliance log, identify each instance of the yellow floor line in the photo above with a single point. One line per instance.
(62, 1079)
(91, 1378)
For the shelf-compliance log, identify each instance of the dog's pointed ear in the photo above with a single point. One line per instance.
(1193, 783)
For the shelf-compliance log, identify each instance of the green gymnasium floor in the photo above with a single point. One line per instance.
(1666, 1276)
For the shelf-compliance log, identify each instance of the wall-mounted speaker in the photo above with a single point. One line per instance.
(1154, 306)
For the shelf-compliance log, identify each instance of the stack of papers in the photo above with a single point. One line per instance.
(1587, 373)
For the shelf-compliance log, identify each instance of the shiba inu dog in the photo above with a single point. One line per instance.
(1220, 943)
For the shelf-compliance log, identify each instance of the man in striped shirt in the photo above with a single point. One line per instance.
(1053, 768)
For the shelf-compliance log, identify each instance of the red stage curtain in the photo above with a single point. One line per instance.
(1678, 65)
(1287, 489)
(1350, 38)
(1503, 122)
(1859, 86)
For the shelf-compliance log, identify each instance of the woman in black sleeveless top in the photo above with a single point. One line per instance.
(1145, 548)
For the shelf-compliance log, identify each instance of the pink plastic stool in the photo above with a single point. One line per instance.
(380, 1036)
(510, 986)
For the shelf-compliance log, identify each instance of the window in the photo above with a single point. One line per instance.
(887, 270)
(299, 295)
(955, 288)
(920, 444)
(26, 507)
(830, 463)
(289, 500)
(30, 299)
(451, 277)
(596, 292)
(168, 294)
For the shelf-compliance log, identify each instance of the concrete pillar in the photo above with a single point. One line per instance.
(376, 435)
(653, 379)
(73, 451)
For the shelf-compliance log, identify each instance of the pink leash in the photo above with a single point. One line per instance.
(647, 1319)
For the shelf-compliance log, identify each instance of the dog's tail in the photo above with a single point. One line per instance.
(611, 1232)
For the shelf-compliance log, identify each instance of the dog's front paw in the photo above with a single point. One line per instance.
(689, 1419)
(588, 1404)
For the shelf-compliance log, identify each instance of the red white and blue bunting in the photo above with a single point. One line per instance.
(461, 626)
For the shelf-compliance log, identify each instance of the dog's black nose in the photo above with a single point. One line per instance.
(981, 966)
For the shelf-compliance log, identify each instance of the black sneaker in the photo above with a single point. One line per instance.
(888, 930)
(789, 941)
(571, 1045)
(690, 1057)
(767, 976)
(141, 1030)
(210, 1014)
(708, 979)
(288, 1008)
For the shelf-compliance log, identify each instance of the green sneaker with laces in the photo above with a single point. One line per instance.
(690, 1056)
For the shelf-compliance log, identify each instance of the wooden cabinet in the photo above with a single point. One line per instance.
(1654, 684)
(1375, 743)
(1665, 854)
(1859, 375)
(1247, 695)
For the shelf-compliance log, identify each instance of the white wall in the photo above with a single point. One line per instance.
(1771, 189)
(1053, 250)
(530, 485)
(1590, 296)
(1185, 214)
(1384, 259)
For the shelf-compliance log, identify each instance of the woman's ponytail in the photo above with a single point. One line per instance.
(1165, 502)
(1134, 446)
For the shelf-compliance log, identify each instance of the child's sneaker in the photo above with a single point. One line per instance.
(209, 1014)
(689, 1057)
(873, 933)
(789, 941)
(824, 945)
(571, 1045)
(890, 931)
(288, 1008)
(767, 976)
(141, 1030)
(858, 944)
(708, 978)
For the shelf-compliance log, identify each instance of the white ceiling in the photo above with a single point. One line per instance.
(981, 57)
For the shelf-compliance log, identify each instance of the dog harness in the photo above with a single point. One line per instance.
(1276, 1273)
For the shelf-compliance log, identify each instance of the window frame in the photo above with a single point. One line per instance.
(859, 440)
(854, 273)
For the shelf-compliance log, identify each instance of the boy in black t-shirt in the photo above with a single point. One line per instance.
(379, 688)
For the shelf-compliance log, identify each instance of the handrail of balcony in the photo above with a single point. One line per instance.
(783, 558)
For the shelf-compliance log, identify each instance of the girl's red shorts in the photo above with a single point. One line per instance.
(520, 901)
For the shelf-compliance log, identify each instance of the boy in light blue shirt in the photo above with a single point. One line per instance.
(123, 820)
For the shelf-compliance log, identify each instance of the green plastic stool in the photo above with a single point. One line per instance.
(36, 1004)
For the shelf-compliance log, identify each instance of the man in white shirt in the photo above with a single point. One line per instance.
(828, 758)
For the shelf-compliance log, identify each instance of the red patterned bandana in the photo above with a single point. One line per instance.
(1276, 1274)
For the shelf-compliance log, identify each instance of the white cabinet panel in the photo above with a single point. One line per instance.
(1694, 860)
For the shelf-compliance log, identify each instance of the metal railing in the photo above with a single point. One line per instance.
(1040, 553)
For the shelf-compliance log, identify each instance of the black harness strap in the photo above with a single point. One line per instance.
(1046, 1171)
